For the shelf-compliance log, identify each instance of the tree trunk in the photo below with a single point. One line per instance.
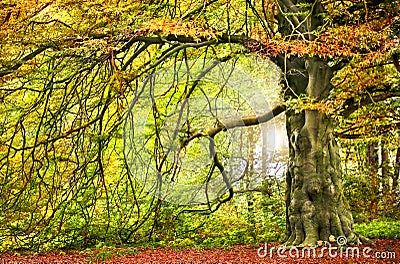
(396, 175)
(373, 166)
(315, 205)
(250, 177)
(385, 165)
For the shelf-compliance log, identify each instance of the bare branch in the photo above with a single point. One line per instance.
(198, 9)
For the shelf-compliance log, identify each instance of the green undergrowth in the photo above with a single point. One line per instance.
(235, 223)
(379, 229)
(228, 226)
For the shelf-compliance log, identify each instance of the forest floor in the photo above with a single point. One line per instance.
(385, 251)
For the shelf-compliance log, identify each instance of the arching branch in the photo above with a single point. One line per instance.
(242, 122)
(396, 61)
(11, 68)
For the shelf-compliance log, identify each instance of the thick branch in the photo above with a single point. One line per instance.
(250, 44)
(198, 9)
(224, 38)
(352, 106)
(382, 130)
(247, 121)
(16, 66)
(396, 63)
(242, 122)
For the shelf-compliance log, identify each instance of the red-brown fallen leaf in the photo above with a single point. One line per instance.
(236, 254)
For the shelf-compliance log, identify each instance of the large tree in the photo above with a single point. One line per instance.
(70, 69)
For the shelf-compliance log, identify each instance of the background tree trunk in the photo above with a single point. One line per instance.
(373, 166)
(396, 175)
(249, 179)
(385, 165)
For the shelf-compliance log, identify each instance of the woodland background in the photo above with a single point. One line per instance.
(69, 71)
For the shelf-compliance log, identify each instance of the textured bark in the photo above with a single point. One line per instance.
(373, 166)
(315, 205)
(250, 195)
(396, 175)
(316, 208)
(385, 165)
